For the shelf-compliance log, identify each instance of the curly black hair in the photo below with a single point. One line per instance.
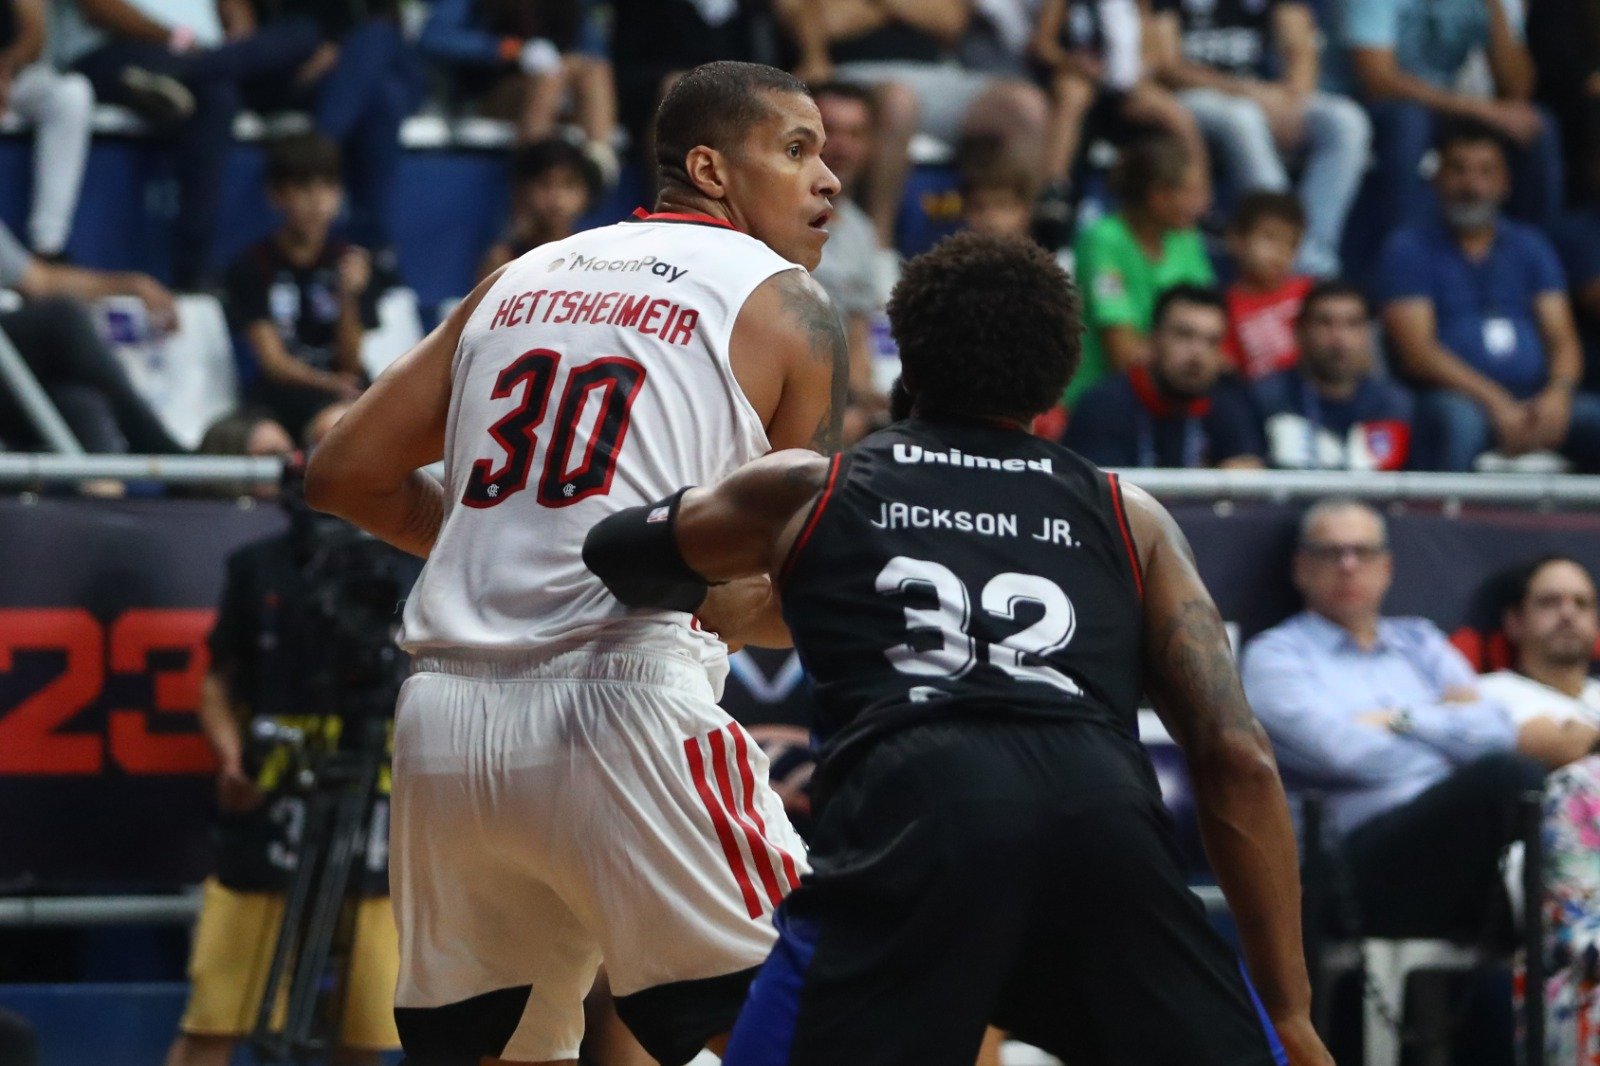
(987, 327)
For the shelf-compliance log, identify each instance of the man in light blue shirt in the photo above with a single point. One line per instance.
(1404, 58)
(1381, 715)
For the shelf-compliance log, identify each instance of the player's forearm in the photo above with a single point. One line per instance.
(1244, 822)
(407, 516)
(746, 611)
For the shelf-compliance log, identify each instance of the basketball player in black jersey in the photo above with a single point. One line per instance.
(980, 610)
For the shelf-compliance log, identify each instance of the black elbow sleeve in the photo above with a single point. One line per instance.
(635, 552)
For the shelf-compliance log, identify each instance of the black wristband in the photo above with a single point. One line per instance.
(635, 552)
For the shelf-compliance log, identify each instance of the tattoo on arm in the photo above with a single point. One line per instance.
(1195, 668)
(808, 308)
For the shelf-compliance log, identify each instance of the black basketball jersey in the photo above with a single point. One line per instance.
(963, 568)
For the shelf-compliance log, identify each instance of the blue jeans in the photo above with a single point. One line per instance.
(1452, 430)
(1403, 134)
(1337, 141)
(202, 142)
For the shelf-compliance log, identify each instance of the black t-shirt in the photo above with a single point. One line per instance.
(1234, 36)
(958, 569)
(302, 302)
(1122, 422)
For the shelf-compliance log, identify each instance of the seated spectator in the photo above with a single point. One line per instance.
(1177, 410)
(1092, 53)
(1332, 411)
(136, 58)
(1476, 308)
(1126, 260)
(57, 339)
(1263, 302)
(847, 271)
(521, 61)
(1552, 628)
(245, 432)
(997, 190)
(553, 185)
(905, 50)
(1221, 59)
(1405, 57)
(60, 107)
(300, 300)
(1382, 716)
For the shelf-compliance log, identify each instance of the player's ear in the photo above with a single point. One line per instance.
(708, 171)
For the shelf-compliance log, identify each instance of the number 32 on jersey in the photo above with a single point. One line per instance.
(939, 641)
(593, 408)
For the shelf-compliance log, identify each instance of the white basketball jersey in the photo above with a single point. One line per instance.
(593, 376)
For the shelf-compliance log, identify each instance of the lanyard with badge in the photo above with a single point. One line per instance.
(1145, 432)
(1499, 332)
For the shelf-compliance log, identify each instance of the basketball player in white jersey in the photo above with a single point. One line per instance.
(566, 789)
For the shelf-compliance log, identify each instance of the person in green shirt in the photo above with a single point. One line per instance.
(1126, 260)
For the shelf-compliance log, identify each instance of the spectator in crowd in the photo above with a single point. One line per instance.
(246, 432)
(60, 107)
(1552, 627)
(905, 49)
(1405, 58)
(358, 87)
(1263, 302)
(57, 339)
(259, 650)
(521, 60)
(1331, 410)
(1220, 57)
(1176, 410)
(997, 189)
(1126, 260)
(135, 58)
(1092, 53)
(1382, 716)
(553, 184)
(300, 300)
(847, 271)
(1476, 307)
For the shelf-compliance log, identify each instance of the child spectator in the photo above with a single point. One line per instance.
(299, 300)
(997, 190)
(1126, 260)
(553, 184)
(1263, 240)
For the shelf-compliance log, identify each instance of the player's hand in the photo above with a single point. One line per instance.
(1301, 1042)
(236, 793)
(355, 272)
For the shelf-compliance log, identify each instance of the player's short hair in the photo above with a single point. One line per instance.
(1261, 205)
(1459, 131)
(1331, 289)
(1148, 165)
(987, 326)
(302, 158)
(1194, 295)
(715, 105)
(533, 161)
(984, 162)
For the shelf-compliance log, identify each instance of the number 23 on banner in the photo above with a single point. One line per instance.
(34, 738)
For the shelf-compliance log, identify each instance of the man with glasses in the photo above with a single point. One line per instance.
(1381, 715)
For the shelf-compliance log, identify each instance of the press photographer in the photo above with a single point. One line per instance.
(303, 674)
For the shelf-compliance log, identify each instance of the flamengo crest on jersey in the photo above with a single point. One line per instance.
(593, 376)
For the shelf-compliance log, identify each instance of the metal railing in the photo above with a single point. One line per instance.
(23, 470)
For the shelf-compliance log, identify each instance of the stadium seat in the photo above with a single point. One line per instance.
(399, 329)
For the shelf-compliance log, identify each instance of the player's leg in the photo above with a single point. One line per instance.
(894, 951)
(493, 965)
(1123, 965)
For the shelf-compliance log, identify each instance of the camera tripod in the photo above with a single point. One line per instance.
(312, 956)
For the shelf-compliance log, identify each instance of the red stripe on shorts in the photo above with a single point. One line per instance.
(741, 748)
(719, 820)
(752, 839)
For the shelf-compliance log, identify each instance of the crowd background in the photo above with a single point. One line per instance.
(1437, 162)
